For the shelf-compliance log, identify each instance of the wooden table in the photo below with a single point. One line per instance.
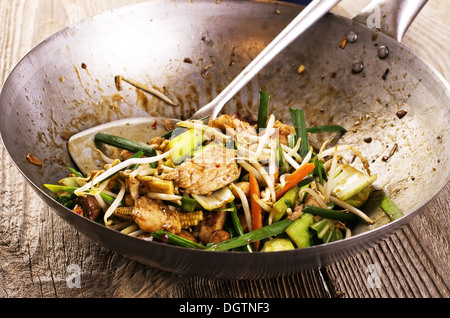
(36, 246)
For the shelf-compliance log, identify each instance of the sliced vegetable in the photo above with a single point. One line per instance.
(330, 214)
(188, 204)
(167, 237)
(360, 198)
(216, 200)
(327, 230)
(390, 209)
(262, 110)
(256, 209)
(188, 219)
(280, 159)
(299, 232)
(59, 189)
(319, 170)
(69, 182)
(212, 144)
(297, 176)
(237, 225)
(349, 182)
(75, 172)
(291, 140)
(280, 207)
(352, 209)
(126, 144)
(253, 236)
(278, 244)
(157, 185)
(326, 128)
(184, 145)
(298, 119)
(115, 169)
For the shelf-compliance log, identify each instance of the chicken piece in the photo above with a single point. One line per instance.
(297, 212)
(225, 121)
(283, 131)
(211, 223)
(219, 236)
(188, 236)
(206, 172)
(133, 186)
(153, 215)
(159, 143)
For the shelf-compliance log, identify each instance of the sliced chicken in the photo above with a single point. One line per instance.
(212, 223)
(206, 172)
(153, 215)
(224, 122)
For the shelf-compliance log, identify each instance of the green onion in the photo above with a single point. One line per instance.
(237, 225)
(291, 140)
(75, 172)
(174, 239)
(280, 159)
(253, 236)
(262, 110)
(389, 207)
(319, 170)
(326, 128)
(126, 144)
(330, 214)
(298, 119)
(61, 189)
(188, 204)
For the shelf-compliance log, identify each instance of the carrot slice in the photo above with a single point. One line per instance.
(256, 209)
(295, 178)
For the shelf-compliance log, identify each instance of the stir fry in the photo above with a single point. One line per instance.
(226, 185)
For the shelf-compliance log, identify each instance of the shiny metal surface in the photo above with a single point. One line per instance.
(307, 17)
(397, 15)
(66, 85)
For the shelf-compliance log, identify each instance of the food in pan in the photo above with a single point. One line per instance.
(227, 184)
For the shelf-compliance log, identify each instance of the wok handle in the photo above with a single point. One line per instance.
(392, 17)
(307, 17)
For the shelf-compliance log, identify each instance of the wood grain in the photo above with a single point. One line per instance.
(36, 246)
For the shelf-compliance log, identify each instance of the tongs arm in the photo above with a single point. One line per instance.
(393, 16)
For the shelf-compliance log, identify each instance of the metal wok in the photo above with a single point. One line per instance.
(191, 51)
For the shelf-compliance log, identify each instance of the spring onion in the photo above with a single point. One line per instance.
(298, 119)
(173, 239)
(126, 144)
(326, 128)
(390, 209)
(262, 110)
(330, 214)
(253, 236)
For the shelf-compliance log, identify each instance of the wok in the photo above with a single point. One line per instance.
(191, 51)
